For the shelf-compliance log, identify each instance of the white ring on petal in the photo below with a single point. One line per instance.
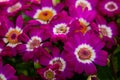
(82, 20)
(4, 0)
(5, 39)
(88, 5)
(62, 61)
(0, 50)
(33, 38)
(59, 26)
(93, 54)
(14, 8)
(109, 3)
(86, 23)
(52, 72)
(2, 77)
(107, 29)
(43, 9)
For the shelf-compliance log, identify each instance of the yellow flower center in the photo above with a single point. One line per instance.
(83, 28)
(12, 36)
(49, 74)
(45, 15)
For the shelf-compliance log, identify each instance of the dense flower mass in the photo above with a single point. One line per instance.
(56, 39)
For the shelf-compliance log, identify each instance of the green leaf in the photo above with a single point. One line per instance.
(104, 73)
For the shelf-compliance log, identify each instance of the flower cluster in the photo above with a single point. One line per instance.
(63, 37)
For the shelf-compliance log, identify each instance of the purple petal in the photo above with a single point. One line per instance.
(44, 60)
(28, 55)
(101, 58)
(8, 70)
(55, 52)
(23, 38)
(19, 22)
(90, 69)
(79, 67)
(9, 51)
(21, 48)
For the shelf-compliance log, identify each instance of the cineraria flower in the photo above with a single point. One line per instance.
(109, 7)
(82, 19)
(45, 12)
(9, 34)
(50, 73)
(32, 42)
(7, 72)
(86, 51)
(89, 4)
(65, 66)
(59, 27)
(15, 8)
(107, 31)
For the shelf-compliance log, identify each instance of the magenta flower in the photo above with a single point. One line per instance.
(50, 73)
(15, 8)
(59, 27)
(85, 50)
(9, 34)
(89, 4)
(44, 12)
(106, 31)
(32, 39)
(65, 66)
(82, 20)
(7, 72)
(109, 7)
